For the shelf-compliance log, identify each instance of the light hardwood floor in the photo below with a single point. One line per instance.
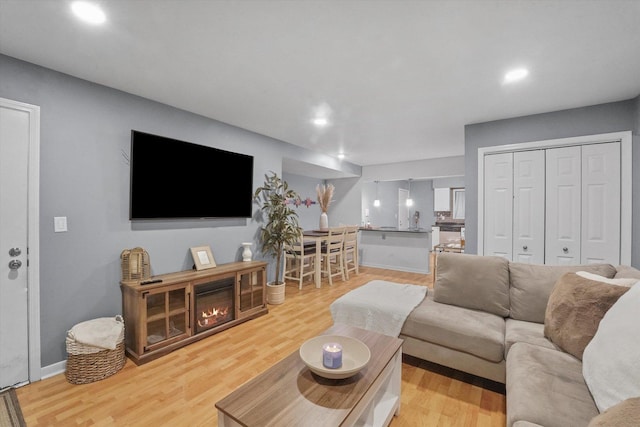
(181, 388)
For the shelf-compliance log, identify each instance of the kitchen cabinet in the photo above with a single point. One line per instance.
(441, 199)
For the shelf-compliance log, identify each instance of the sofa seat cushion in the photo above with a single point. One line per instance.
(546, 387)
(521, 331)
(532, 284)
(471, 331)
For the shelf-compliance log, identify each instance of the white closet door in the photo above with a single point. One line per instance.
(600, 238)
(528, 206)
(563, 199)
(498, 203)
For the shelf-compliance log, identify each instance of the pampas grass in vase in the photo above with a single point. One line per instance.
(325, 197)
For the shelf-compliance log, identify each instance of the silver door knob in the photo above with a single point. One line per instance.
(14, 251)
(15, 264)
(524, 248)
(565, 250)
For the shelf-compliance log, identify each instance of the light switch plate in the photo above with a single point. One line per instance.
(59, 224)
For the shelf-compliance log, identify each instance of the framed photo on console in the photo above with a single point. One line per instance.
(202, 257)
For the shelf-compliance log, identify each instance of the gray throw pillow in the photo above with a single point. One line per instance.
(473, 281)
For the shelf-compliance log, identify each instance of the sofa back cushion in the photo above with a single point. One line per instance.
(627, 272)
(531, 285)
(473, 281)
(576, 306)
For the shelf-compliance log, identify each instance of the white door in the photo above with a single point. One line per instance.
(600, 239)
(498, 203)
(563, 216)
(403, 209)
(528, 206)
(17, 130)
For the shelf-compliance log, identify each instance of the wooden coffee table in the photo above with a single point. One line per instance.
(289, 394)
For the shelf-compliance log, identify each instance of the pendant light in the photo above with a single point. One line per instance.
(409, 199)
(376, 202)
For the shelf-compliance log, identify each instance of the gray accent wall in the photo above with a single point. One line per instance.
(308, 216)
(597, 119)
(84, 172)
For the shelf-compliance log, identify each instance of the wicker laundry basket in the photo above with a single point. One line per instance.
(88, 363)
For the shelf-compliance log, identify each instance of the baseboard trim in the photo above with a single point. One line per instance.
(55, 369)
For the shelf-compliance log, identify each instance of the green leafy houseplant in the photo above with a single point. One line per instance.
(282, 225)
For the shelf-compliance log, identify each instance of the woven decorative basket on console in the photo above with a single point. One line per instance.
(88, 363)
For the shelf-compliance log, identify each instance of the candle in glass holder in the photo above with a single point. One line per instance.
(332, 355)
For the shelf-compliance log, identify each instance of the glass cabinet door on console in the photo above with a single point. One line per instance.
(167, 316)
(251, 296)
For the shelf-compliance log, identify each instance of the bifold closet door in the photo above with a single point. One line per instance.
(564, 201)
(558, 206)
(600, 238)
(583, 204)
(498, 205)
(528, 206)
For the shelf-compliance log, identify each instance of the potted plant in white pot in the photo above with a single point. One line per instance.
(281, 227)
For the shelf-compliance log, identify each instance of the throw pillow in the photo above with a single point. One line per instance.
(615, 281)
(624, 414)
(574, 310)
(610, 363)
(473, 281)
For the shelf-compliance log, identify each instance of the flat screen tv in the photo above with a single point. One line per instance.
(173, 179)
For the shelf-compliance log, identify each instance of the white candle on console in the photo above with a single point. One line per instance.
(332, 355)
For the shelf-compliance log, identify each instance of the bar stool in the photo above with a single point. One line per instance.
(298, 258)
(350, 250)
(332, 254)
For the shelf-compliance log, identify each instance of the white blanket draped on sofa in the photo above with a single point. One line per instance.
(378, 306)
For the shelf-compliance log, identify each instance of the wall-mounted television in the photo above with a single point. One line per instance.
(173, 179)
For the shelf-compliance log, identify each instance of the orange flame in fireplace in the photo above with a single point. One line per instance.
(213, 316)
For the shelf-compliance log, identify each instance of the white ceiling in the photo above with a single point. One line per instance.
(400, 79)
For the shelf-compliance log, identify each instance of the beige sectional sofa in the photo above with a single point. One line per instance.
(486, 316)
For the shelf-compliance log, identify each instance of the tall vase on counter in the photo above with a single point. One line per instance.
(325, 197)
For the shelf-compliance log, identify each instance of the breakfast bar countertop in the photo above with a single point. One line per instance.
(396, 229)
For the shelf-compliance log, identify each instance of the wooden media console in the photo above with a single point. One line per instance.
(183, 307)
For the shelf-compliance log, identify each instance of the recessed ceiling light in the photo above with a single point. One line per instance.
(341, 156)
(88, 12)
(320, 121)
(515, 75)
